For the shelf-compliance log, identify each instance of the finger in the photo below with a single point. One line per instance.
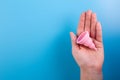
(73, 39)
(93, 24)
(81, 24)
(88, 20)
(98, 32)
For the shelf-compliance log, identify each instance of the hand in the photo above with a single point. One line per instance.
(89, 60)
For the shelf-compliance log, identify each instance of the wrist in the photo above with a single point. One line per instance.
(91, 74)
(91, 71)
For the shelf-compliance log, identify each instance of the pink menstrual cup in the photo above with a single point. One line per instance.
(85, 40)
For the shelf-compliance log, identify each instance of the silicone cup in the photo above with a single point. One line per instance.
(85, 40)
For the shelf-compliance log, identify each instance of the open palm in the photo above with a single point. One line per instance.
(84, 56)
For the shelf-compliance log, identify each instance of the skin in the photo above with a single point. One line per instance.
(90, 61)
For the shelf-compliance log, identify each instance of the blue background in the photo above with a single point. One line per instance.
(35, 42)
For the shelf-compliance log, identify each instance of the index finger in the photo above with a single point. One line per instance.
(81, 24)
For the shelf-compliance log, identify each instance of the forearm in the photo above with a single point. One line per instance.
(91, 74)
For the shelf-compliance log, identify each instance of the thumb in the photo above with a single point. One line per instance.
(73, 39)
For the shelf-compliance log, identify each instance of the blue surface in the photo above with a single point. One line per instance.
(35, 42)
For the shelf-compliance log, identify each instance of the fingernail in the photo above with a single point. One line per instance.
(94, 14)
(89, 11)
(99, 25)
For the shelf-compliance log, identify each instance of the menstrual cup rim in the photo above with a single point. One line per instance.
(82, 35)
